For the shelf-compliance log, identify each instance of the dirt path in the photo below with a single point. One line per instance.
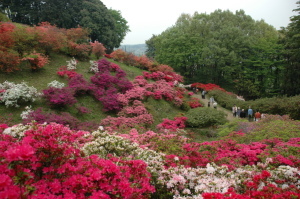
(206, 100)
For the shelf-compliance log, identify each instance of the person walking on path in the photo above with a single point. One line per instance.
(212, 100)
(257, 116)
(250, 114)
(203, 94)
(234, 110)
(243, 114)
(238, 112)
(215, 104)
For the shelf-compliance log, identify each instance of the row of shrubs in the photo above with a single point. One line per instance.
(277, 105)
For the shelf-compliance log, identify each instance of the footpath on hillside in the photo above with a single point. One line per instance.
(206, 100)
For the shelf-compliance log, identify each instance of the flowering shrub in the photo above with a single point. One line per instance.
(15, 94)
(79, 85)
(195, 103)
(59, 97)
(9, 60)
(80, 51)
(63, 118)
(129, 117)
(56, 84)
(93, 67)
(62, 71)
(97, 49)
(173, 125)
(72, 64)
(26, 112)
(47, 163)
(218, 182)
(107, 86)
(36, 60)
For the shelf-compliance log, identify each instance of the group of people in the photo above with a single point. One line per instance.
(241, 113)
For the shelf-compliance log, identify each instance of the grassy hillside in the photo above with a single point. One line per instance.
(39, 79)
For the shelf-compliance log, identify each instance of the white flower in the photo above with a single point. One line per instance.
(210, 169)
(72, 64)
(56, 84)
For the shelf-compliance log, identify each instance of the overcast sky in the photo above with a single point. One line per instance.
(148, 17)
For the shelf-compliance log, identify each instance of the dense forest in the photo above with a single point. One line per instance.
(249, 57)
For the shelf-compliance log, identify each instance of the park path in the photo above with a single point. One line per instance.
(206, 100)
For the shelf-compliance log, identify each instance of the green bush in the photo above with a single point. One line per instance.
(205, 117)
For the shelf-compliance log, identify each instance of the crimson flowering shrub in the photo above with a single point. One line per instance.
(62, 71)
(46, 162)
(195, 102)
(173, 125)
(59, 97)
(207, 87)
(6, 37)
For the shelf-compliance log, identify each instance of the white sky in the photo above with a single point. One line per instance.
(148, 17)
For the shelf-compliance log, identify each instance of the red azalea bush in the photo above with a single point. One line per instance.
(47, 163)
(62, 71)
(195, 102)
(173, 125)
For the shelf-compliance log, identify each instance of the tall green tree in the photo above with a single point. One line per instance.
(224, 48)
(292, 54)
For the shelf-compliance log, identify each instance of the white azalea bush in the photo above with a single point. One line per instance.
(26, 112)
(56, 84)
(72, 64)
(104, 144)
(191, 183)
(18, 130)
(13, 94)
(93, 67)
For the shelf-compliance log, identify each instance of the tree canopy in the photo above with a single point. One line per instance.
(106, 26)
(223, 48)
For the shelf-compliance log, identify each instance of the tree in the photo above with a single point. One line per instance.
(222, 48)
(292, 54)
(121, 27)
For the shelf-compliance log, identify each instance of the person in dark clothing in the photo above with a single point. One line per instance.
(243, 114)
